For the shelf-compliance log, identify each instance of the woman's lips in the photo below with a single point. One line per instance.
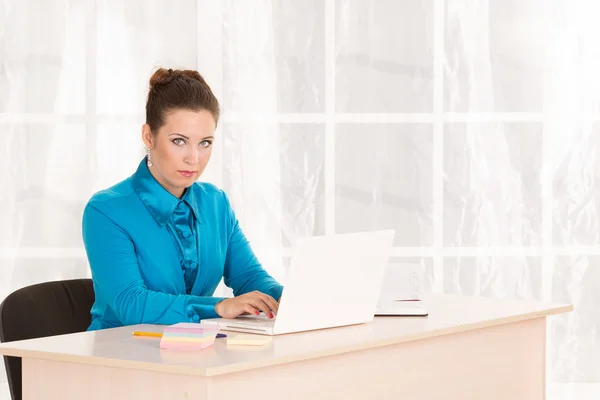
(187, 174)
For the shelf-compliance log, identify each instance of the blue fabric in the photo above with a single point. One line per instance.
(182, 229)
(158, 259)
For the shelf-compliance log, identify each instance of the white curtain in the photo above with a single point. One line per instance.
(470, 126)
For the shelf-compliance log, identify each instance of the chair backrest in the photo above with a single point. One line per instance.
(45, 309)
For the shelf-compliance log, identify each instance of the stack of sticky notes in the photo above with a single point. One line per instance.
(188, 336)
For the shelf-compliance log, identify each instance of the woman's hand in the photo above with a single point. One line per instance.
(248, 303)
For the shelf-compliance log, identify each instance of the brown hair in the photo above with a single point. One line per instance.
(172, 89)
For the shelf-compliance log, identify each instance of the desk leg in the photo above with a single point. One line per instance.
(505, 362)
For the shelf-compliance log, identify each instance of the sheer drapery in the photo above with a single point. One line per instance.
(469, 126)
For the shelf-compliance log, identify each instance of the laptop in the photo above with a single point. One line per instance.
(332, 281)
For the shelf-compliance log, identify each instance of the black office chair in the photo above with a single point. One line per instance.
(45, 309)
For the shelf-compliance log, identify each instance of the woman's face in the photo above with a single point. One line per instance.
(180, 150)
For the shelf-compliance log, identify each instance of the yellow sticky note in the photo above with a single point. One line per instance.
(248, 340)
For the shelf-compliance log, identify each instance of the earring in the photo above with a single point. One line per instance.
(148, 157)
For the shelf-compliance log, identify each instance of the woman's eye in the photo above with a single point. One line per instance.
(205, 143)
(179, 141)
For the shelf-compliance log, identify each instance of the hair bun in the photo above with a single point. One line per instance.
(159, 77)
(172, 89)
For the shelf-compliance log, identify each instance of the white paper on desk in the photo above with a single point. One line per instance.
(403, 281)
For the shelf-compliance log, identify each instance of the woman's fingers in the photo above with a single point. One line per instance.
(261, 305)
(253, 302)
(250, 309)
(269, 301)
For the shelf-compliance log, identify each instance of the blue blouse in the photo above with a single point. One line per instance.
(158, 259)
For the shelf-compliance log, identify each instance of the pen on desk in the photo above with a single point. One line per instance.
(149, 334)
(157, 334)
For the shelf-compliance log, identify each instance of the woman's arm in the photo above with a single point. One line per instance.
(117, 279)
(243, 273)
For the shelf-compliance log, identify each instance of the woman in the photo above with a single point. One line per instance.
(158, 243)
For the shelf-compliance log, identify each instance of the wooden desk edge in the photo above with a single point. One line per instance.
(6, 350)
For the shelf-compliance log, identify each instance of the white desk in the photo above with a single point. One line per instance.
(468, 348)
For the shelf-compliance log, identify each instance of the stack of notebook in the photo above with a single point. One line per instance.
(188, 336)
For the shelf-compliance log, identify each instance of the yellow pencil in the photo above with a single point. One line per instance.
(151, 334)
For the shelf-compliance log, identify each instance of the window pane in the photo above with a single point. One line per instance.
(574, 336)
(384, 56)
(495, 54)
(43, 57)
(492, 184)
(274, 176)
(119, 150)
(47, 182)
(576, 211)
(384, 180)
(274, 56)
(135, 37)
